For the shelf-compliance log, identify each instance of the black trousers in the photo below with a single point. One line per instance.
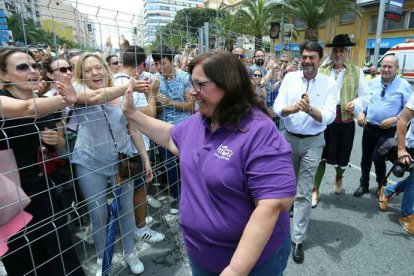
(373, 137)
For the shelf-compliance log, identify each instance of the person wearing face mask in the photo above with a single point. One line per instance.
(352, 101)
(306, 103)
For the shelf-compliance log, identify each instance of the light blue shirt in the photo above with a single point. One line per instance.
(396, 96)
(175, 90)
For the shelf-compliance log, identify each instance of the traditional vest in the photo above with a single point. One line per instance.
(350, 85)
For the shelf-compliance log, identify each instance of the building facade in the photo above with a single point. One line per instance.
(158, 13)
(28, 9)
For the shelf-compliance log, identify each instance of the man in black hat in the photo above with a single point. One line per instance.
(352, 100)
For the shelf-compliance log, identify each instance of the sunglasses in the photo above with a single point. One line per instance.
(116, 62)
(257, 76)
(63, 70)
(24, 67)
(240, 55)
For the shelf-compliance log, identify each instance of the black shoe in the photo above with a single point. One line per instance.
(361, 191)
(297, 253)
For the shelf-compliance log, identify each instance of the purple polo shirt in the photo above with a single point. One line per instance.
(222, 173)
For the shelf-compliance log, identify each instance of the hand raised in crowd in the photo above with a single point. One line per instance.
(304, 103)
(49, 137)
(139, 85)
(128, 103)
(350, 107)
(108, 42)
(40, 87)
(362, 121)
(123, 42)
(62, 50)
(66, 90)
(154, 86)
(387, 123)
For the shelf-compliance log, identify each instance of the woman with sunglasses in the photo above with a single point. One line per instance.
(257, 82)
(236, 171)
(115, 64)
(102, 133)
(29, 129)
(54, 70)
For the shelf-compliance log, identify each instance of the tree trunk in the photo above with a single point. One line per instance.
(257, 43)
(311, 34)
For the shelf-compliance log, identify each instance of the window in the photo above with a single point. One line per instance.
(347, 18)
(389, 25)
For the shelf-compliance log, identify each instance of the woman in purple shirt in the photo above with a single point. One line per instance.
(237, 175)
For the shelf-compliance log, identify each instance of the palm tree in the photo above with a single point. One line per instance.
(253, 18)
(315, 12)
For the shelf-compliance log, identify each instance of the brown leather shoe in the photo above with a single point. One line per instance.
(338, 185)
(408, 223)
(383, 199)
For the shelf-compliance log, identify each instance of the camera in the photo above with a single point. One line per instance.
(398, 170)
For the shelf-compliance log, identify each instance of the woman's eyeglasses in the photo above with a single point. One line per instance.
(24, 67)
(257, 75)
(198, 84)
(63, 70)
(240, 56)
(116, 62)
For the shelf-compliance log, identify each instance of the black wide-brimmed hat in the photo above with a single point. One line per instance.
(341, 40)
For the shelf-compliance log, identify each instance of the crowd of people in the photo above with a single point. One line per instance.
(244, 147)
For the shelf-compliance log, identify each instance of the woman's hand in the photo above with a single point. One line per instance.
(66, 90)
(154, 87)
(128, 103)
(49, 137)
(148, 172)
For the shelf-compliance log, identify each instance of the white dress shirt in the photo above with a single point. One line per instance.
(323, 95)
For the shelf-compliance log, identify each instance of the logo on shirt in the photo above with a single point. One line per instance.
(223, 152)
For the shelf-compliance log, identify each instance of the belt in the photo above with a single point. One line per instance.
(303, 135)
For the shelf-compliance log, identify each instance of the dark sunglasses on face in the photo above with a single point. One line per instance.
(257, 76)
(63, 70)
(240, 55)
(116, 62)
(24, 67)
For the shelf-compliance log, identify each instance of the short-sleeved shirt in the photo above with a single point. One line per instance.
(222, 173)
(175, 90)
(395, 97)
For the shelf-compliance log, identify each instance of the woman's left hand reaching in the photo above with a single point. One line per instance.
(128, 103)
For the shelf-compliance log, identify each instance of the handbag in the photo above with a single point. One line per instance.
(128, 166)
(13, 199)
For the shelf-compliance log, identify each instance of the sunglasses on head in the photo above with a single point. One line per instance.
(116, 62)
(24, 67)
(63, 70)
(257, 75)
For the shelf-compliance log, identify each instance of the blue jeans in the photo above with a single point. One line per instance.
(94, 189)
(274, 266)
(406, 186)
(172, 170)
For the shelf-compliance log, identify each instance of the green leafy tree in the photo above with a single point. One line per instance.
(28, 32)
(254, 18)
(315, 12)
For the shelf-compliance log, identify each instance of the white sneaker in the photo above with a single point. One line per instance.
(134, 263)
(153, 202)
(149, 235)
(99, 267)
